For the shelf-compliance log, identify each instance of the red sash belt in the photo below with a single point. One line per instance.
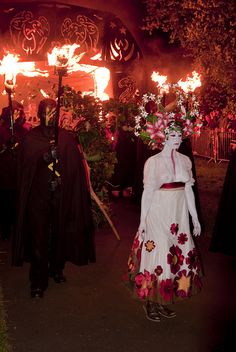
(173, 185)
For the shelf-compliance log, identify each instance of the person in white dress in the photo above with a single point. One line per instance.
(164, 265)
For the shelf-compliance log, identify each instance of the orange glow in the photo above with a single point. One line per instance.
(161, 80)
(10, 67)
(97, 57)
(101, 77)
(44, 94)
(191, 83)
(63, 57)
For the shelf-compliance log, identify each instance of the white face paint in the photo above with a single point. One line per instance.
(173, 140)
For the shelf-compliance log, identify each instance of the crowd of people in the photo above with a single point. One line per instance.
(46, 208)
(216, 120)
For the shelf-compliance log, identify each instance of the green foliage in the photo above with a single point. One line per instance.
(83, 114)
(206, 30)
(94, 121)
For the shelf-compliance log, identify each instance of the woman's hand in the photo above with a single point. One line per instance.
(196, 228)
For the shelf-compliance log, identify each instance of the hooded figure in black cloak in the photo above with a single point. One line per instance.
(9, 143)
(224, 231)
(54, 217)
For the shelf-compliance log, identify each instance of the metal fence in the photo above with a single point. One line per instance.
(214, 144)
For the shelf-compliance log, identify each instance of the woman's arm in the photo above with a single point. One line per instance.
(191, 200)
(150, 183)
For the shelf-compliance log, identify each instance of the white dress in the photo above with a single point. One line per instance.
(164, 265)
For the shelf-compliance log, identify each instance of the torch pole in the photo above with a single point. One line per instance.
(9, 91)
(61, 73)
(59, 94)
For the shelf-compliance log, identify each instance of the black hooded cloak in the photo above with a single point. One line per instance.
(74, 223)
(224, 231)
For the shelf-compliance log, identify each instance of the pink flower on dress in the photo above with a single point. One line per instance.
(182, 238)
(174, 228)
(136, 242)
(144, 284)
(175, 259)
(158, 270)
(192, 260)
(166, 289)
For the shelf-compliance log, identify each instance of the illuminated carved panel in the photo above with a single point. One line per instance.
(128, 86)
(32, 29)
(119, 45)
(29, 32)
(82, 31)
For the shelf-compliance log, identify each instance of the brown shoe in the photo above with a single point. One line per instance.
(165, 312)
(151, 311)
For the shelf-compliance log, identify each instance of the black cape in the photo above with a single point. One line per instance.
(76, 230)
(123, 176)
(224, 232)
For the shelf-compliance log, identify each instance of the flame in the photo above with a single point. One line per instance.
(63, 57)
(191, 83)
(10, 67)
(44, 94)
(161, 80)
(97, 57)
(101, 77)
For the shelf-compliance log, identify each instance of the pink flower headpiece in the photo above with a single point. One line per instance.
(153, 124)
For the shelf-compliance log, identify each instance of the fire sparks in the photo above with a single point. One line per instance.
(161, 80)
(191, 83)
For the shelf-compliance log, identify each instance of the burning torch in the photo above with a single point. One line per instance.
(162, 85)
(64, 61)
(190, 85)
(10, 67)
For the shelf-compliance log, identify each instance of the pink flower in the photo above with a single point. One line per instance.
(144, 283)
(188, 127)
(136, 242)
(174, 228)
(175, 259)
(192, 260)
(182, 238)
(154, 130)
(166, 289)
(158, 270)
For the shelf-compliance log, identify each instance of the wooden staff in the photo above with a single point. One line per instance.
(99, 203)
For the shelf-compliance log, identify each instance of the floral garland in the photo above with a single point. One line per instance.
(153, 126)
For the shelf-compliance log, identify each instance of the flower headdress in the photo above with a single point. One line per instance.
(155, 122)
